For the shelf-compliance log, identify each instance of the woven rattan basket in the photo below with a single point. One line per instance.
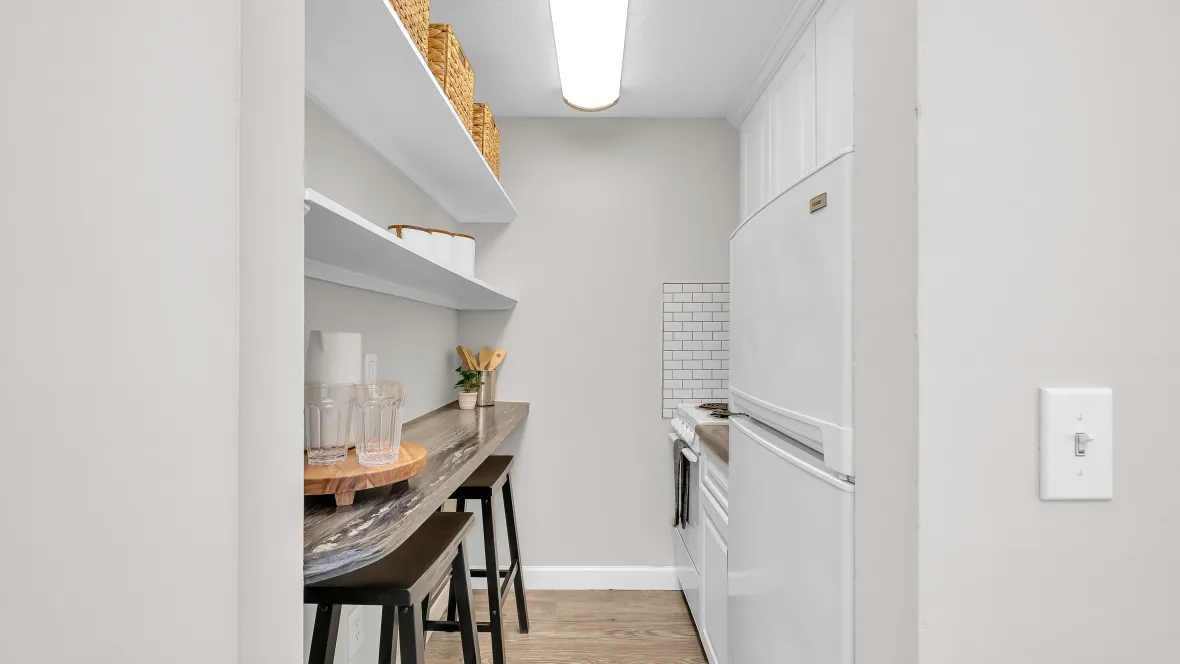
(415, 16)
(486, 134)
(452, 70)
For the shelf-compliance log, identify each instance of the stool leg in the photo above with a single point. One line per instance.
(461, 587)
(323, 634)
(460, 506)
(411, 633)
(522, 609)
(493, 570)
(388, 634)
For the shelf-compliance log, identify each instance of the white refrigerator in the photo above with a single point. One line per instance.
(792, 473)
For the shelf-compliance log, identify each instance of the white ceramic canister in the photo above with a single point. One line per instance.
(464, 255)
(416, 238)
(442, 247)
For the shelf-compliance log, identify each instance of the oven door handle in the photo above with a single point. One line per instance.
(688, 454)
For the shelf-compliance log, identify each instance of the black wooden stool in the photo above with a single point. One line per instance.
(399, 583)
(490, 477)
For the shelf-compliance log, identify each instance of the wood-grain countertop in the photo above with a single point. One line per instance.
(340, 539)
(716, 437)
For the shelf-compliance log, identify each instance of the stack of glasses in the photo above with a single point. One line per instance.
(365, 416)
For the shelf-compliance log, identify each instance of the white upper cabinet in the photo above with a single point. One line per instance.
(755, 159)
(792, 113)
(833, 67)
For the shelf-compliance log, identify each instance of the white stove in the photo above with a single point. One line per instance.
(687, 536)
(689, 416)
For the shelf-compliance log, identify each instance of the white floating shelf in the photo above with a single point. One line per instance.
(364, 70)
(344, 248)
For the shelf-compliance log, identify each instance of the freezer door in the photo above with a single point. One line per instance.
(791, 309)
(790, 553)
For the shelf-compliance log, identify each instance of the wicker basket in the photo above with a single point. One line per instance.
(486, 134)
(452, 70)
(415, 16)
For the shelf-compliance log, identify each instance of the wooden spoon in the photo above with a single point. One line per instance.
(485, 356)
(497, 358)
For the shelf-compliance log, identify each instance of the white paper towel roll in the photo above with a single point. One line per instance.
(333, 358)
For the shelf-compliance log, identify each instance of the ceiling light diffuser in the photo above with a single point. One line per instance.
(589, 35)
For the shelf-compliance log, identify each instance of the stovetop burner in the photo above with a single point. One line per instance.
(720, 414)
(714, 406)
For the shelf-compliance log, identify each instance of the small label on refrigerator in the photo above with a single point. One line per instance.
(819, 202)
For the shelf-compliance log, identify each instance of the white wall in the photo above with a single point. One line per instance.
(270, 574)
(609, 209)
(885, 343)
(1047, 256)
(119, 136)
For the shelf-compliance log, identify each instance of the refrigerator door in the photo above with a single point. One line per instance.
(790, 552)
(791, 309)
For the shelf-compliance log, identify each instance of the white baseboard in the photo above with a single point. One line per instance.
(600, 578)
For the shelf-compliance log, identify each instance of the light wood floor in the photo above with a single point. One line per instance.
(587, 627)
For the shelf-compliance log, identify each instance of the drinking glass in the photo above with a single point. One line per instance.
(327, 423)
(379, 422)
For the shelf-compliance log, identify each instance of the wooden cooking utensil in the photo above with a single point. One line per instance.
(468, 358)
(497, 358)
(485, 356)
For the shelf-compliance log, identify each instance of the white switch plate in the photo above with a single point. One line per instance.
(1066, 412)
(356, 633)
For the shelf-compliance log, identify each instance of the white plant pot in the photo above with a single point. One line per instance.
(467, 400)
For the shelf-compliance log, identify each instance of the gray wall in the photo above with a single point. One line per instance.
(270, 349)
(120, 274)
(609, 209)
(885, 342)
(1048, 238)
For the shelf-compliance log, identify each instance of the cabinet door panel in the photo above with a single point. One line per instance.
(715, 584)
(833, 66)
(792, 112)
(755, 159)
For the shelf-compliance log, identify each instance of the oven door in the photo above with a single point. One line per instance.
(687, 538)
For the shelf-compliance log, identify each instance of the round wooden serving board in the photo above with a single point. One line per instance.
(346, 479)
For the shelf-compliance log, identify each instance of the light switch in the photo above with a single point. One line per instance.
(1077, 443)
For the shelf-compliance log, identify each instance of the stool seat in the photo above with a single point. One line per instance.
(489, 477)
(401, 583)
(404, 576)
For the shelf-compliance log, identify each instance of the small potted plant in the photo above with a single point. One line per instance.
(468, 387)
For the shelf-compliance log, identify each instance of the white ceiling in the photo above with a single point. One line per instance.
(683, 58)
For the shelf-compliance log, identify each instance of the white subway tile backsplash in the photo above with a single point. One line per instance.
(695, 354)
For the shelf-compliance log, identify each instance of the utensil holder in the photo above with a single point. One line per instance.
(486, 396)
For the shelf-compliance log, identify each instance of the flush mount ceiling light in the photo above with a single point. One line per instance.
(589, 36)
